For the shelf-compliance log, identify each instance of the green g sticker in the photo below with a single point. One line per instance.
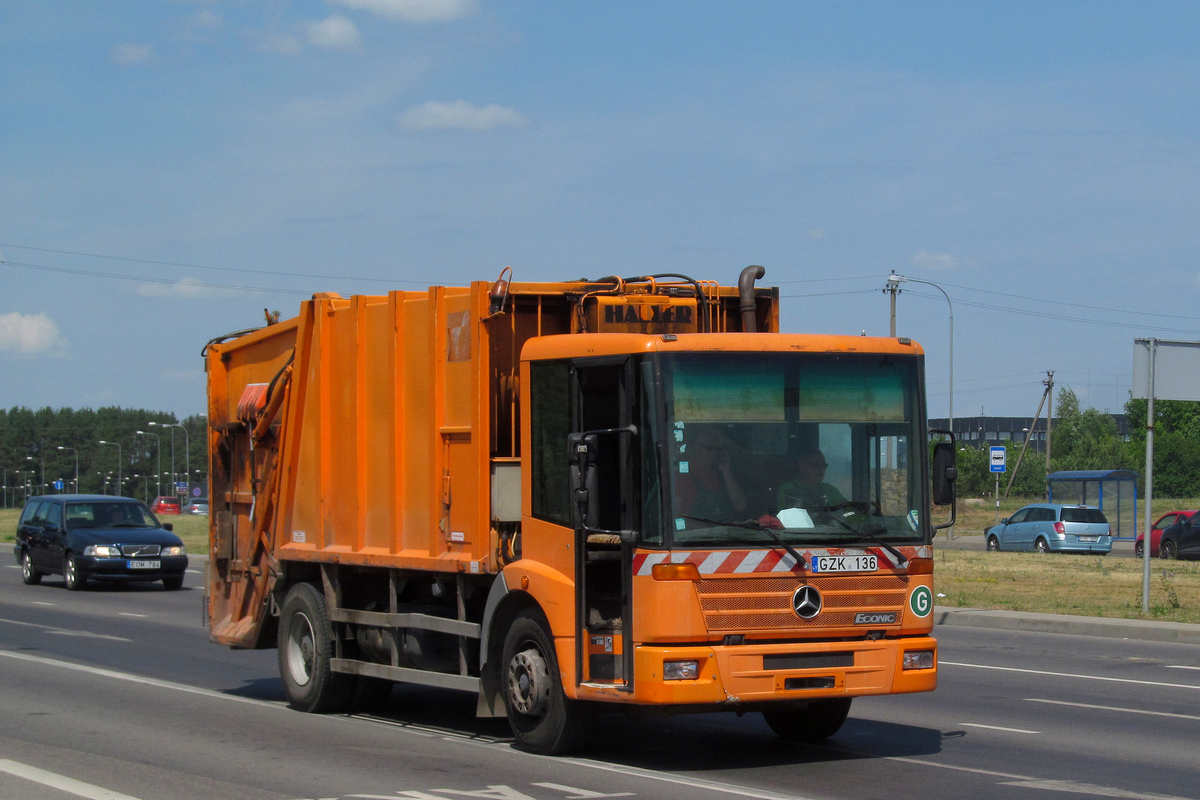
(921, 601)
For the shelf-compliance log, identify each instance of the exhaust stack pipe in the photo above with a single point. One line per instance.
(746, 295)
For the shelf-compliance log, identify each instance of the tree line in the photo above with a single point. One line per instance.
(1087, 439)
(40, 447)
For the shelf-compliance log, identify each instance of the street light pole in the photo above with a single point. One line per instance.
(158, 474)
(118, 446)
(894, 282)
(42, 485)
(187, 449)
(76, 452)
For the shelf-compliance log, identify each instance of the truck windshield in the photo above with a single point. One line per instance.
(826, 449)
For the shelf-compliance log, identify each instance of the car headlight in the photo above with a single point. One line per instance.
(102, 550)
(175, 550)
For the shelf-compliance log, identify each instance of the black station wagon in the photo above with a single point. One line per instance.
(96, 537)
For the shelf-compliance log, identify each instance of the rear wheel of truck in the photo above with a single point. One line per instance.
(305, 650)
(816, 723)
(542, 718)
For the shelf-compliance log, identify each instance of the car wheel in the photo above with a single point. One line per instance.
(542, 718)
(1137, 550)
(1042, 546)
(305, 651)
(1168, 550)
(816, 723)
(993, 544)
(28, 574)
(172, 582)
(74, 579)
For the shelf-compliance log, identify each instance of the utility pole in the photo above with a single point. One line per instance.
(1049, 384)
(893, 288)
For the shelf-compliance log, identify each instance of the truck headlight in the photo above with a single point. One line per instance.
(918, 659)
(102, 550)
(681, 670)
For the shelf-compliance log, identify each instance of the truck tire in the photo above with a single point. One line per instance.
(305, 650)
(542, 718)
(816, 723)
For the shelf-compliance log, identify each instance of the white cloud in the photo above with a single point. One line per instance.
(415, 10)
(933, 261)
(281, 43)
(459, 114)
(207, 19)
(183, 288)
(29, 334)
(132, 54)
(334, 33)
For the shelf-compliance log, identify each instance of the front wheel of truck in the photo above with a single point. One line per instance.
(817, 722)
(305, 650)
(542, 718)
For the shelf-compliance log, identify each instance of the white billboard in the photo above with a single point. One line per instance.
(1176, 369)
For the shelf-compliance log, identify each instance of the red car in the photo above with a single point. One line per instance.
(1160, 525)
(170, 505)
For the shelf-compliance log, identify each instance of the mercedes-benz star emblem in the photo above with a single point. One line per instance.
(807, 602)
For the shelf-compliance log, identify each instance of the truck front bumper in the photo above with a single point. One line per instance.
(752, 674)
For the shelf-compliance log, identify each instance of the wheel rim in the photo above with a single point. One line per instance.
(1167, 550)
(1042, 547)
(71, 576)
(1137, 549)
(993, 544)
(529, 683)
(26, 566)
(302, 649)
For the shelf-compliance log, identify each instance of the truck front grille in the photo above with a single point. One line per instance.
(761, 604)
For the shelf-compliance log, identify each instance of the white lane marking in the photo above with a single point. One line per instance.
(60, 782)
(996, 728)
(1072, 787)
(125, 676)
(1067, 675)
(696, 783)
(1112, 708)
(130, 614)
(42, 603)
(64, 632)
(1181, 666)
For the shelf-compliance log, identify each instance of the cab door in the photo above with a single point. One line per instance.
(603, 395)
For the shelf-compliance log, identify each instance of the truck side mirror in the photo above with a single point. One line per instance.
(945, 473)
(584, 484)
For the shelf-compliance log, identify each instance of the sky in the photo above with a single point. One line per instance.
(168, 170)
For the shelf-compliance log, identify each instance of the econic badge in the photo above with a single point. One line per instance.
(921, 601)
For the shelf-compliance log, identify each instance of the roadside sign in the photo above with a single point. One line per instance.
(58, 486)
(181, 487)
(998, 459)
(196, 491)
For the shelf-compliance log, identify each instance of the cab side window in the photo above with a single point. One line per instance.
(53, 515)
(1019, 516)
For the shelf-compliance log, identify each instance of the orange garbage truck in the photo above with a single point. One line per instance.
(568, 498)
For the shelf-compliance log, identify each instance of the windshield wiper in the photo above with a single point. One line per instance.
(873, 537)
(752, 525)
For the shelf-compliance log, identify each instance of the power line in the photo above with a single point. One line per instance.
(146, 279)
(203, 266)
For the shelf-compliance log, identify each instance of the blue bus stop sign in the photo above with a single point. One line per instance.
(998, 459)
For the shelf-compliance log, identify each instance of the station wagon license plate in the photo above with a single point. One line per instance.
(862, 563)
(1088, 538)
(145, 565)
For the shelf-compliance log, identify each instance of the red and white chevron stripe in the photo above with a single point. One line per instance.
(748, 562)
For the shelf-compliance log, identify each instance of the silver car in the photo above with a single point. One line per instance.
(1053, 527)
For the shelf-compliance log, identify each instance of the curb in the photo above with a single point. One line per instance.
(1142, 630)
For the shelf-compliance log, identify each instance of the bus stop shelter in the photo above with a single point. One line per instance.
(1113, 491)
